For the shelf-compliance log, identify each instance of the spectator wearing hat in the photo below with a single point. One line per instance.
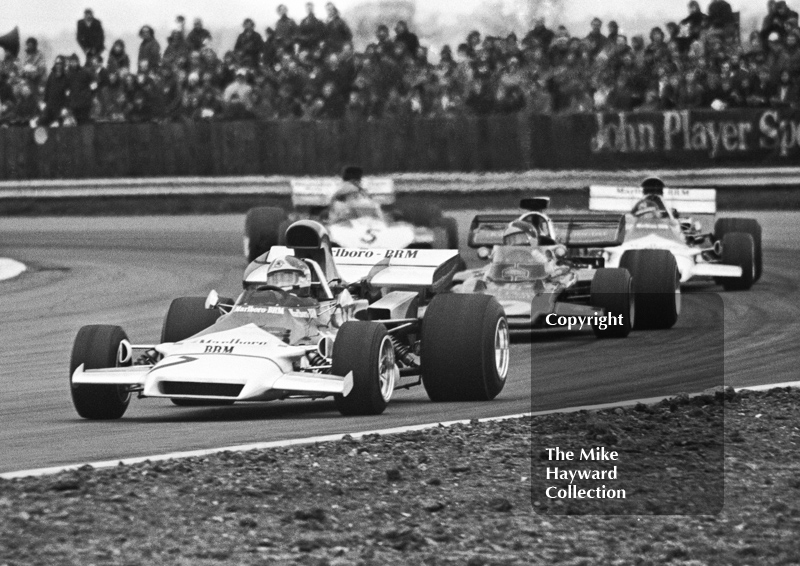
(198, 35)
(249, 45)
(149, 49)
(91, 37)
(32, 65)
(285, 29)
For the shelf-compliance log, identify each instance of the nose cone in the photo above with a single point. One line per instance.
(215, 376)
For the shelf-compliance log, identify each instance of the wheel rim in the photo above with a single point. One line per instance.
(246, 246)
(123, 392)
(386, 368)
(501, 348)
(677, 294)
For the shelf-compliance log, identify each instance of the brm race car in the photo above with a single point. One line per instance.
(312, 322)
(541, 273)
(730, 254)
(357, 213)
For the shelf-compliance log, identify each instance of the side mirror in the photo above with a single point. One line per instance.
(484, 252)
(212, 301)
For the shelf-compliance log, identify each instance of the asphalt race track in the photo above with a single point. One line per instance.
(127, 270)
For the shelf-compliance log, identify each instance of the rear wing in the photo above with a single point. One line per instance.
(589, 230)
(399, 269)
(622, 199)
(487, 230)
(309, 192)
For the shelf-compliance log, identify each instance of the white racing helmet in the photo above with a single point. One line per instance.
(290, 274)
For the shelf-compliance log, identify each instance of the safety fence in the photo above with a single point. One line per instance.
(667, 140)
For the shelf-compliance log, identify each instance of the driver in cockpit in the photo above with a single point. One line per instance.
(293, 276)
(350, 193)
(647, 208)
(651, 206)
(520, 233)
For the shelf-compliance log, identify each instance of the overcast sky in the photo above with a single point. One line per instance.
(57, 17)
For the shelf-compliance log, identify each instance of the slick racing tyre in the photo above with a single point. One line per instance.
(465, 348)
(738, 248)
(365, 349)
(747, 225)
(97, 347)
(612, 290)
(446, 234)
(262, 230)
(656, 287)
(186, 317)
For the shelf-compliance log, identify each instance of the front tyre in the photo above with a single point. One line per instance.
(738, 249)
(612, 291)
(365, 349)
(656, 287)
(465, 348)
(97, 347)
(750, 226)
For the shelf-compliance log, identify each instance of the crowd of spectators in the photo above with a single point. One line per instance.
(310, 70)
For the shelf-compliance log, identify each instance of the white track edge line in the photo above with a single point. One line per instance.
(336, 437)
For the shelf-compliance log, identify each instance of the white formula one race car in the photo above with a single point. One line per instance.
(655, 220)
(358, 213)
(312, 322)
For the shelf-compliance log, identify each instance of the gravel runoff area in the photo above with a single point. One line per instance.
(462, 494)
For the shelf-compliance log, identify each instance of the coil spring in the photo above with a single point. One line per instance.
(315, 358)
(401, 351)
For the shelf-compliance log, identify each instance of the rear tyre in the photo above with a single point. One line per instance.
(262, 230)
(656, 287)
(465, 348)
(739, 249)
(96, 347)
(186, 317)
(365, 349)
(612, 291)
(747, 225)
